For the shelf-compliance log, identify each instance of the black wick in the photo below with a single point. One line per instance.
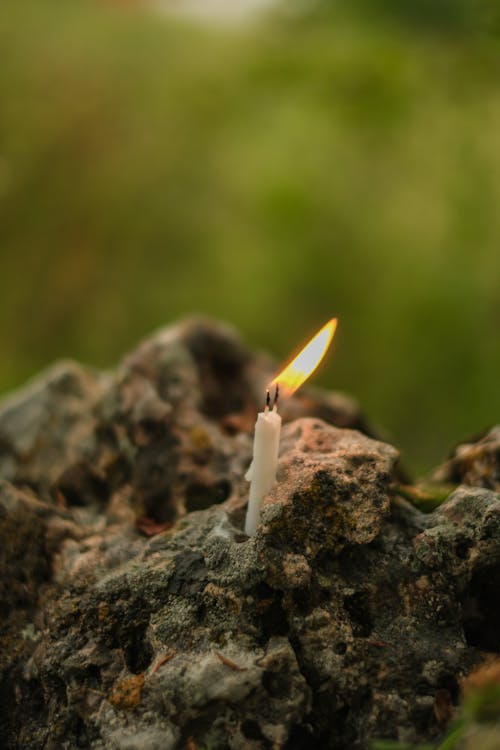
(276, 395)
(268, 399)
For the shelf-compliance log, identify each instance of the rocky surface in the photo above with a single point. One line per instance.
(138, 616)
(476, 463)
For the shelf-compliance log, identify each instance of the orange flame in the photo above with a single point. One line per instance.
(306, 361)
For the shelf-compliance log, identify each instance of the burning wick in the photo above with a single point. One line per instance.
(262, 471)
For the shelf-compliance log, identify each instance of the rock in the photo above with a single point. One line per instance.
(476, 463)
(332, 489)
(137, 614)
(48, 424)
(24, 567)
(461, 541)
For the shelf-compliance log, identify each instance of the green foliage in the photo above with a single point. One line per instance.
(343, 162)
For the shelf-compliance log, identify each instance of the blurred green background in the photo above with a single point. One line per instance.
(328, 159)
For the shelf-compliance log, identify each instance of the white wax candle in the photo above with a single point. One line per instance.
(262, 471)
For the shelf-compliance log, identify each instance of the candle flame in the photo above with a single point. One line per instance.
(306, 361)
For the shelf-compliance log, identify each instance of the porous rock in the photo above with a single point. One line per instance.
(136, 614)
(333, 488)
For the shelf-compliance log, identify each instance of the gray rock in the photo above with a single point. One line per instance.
(136, 614)
(49, 424)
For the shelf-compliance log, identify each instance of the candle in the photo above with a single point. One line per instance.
(262, 471)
